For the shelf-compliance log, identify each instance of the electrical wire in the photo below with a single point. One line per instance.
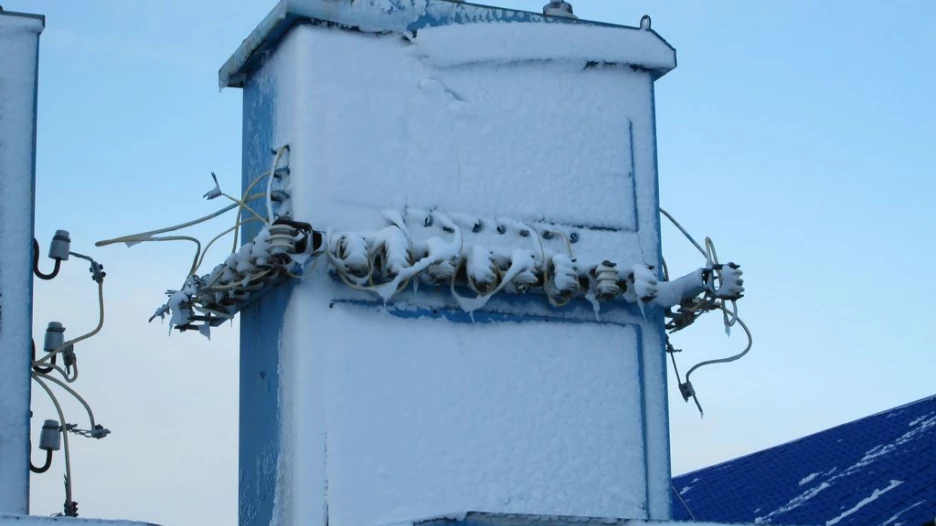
(136, 238)
(219, 236)
(246, 199)
(711, 302)
(83, 337)
(730, 358)
(567, 242)
(75, 394)
(61, 415)
(685, 233)
(269, 189)
(178, 238)
(683, 502)
(65, 374)
(244, 206)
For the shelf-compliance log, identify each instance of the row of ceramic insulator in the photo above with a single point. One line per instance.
(270, 247)
(242, 272)
(380, 256)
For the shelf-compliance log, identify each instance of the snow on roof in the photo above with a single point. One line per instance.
(613, 43)
(496, 519)
(879, 470)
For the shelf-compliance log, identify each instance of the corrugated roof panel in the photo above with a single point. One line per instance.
(879, 470)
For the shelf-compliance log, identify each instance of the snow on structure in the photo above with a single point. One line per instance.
(372, 412)
(487, 330)
(19, 49)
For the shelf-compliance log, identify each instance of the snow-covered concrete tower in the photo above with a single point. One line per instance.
(19, 61)
(494, 151)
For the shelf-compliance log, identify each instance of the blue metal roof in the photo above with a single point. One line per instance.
(879, 470)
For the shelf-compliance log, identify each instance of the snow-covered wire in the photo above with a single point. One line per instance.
(61, 415)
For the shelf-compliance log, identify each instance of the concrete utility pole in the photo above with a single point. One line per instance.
(19, 57)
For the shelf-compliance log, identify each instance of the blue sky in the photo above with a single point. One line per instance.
(799, 136)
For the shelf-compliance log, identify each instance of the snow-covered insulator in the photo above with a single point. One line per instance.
(284, 207)
(607, 281)
(228, 276)
(351, 252)
(228, 272)
(730, 285)
(562, 279)
(559, 9)
(526, 277)
(442, 271)
(483, 274)
(215, 274)
(393, 251)
(641, 284)
(260, 253)
(180, 305)
(243, 264)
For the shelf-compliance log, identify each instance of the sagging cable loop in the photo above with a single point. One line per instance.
(723, 285)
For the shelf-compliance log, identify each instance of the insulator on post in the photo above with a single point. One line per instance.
(60, 246)
(606, 281)
(244, 266)
(483, 274)
(393, 251)
(54, 336)
(562, 280)
(50, 438)
(641, 284)
(523, 263)
(351, 252)
(282, 239)
(730, 284)
(524, 281)
(260, 252)
(443, 271)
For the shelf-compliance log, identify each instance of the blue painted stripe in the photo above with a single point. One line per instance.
(260, 325)
(659, 317)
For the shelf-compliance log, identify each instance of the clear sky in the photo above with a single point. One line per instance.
(798, 135)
